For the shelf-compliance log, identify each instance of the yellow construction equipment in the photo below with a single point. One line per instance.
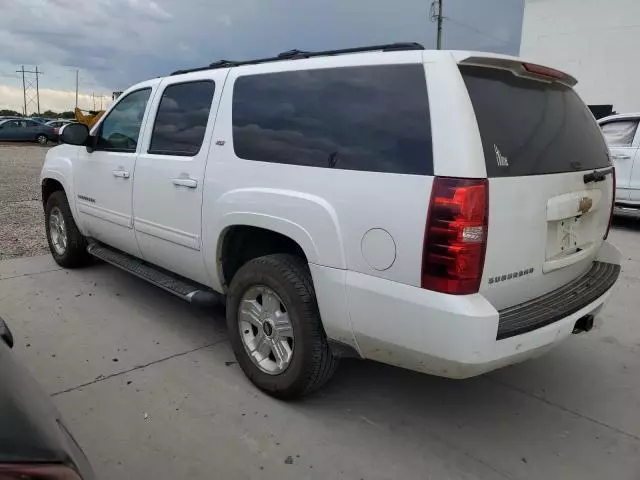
(90, 119)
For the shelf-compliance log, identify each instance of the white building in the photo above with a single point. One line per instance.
(597, 41)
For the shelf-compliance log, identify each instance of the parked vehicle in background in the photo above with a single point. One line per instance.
(25, 130)
(623, 139)
(34, 441)
(42, 120)
(445, 212)
(57, 125)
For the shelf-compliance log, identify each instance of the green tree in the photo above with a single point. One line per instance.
(9, 113)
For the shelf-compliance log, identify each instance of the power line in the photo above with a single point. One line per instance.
(435, 15)
(476, 30)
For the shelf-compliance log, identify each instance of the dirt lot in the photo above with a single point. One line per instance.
(22, 227)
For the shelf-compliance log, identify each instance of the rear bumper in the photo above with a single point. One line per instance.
(454, 336)
(558, 304)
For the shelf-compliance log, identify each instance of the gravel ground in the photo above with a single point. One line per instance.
(22, 226)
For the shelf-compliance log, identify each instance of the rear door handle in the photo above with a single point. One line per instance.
(120, 173)
(185, 182)
(621, 157)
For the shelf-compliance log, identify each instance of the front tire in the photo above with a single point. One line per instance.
(275, 327)
(67, 245)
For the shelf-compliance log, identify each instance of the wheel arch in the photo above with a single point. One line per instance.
(306, 220)
(49, 185)
(53, 181)
(247, 237)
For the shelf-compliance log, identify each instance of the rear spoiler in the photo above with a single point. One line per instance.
(522, 69)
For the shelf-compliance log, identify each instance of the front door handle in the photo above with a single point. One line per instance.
(120, 173)
(185, 182)
(621, 157)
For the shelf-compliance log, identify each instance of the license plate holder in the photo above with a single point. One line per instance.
(569, 234)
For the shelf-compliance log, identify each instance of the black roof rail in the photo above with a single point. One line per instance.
(222, 64)
(297, 54)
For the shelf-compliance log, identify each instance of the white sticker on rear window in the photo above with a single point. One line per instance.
(501, 159)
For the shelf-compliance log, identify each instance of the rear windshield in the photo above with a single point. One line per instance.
(529, 127)
(368, 118)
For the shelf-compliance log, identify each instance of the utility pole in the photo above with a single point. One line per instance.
(37, 90)
(440, 17)
(77, 73)
(27, 89)
(24, 93)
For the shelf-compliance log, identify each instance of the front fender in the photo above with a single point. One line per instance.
(58, 165)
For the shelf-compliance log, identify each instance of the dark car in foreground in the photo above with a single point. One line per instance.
(26, 130)
(35, 444)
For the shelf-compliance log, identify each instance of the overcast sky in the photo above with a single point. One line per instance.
(115, 43)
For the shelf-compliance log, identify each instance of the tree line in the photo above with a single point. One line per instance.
(46, 114)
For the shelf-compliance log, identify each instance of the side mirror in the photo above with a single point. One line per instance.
(74, 134)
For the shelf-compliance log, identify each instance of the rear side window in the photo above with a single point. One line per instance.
(620, 133)
(182, 119)
(372, 118)
(529, 127)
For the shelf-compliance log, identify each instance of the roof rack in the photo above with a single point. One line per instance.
(297, 54)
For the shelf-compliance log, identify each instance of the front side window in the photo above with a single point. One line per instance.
(620, 133)
(182, 119)
(120, 130)
(369, 118)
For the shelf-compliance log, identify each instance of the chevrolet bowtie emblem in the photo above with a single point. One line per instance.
(585, 204)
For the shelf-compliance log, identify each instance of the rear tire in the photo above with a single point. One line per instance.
(311, 362)
(68, 246)
(42, 139)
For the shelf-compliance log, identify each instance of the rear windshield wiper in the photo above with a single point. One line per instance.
(596, 176)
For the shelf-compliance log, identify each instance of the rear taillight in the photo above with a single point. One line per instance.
(56, 131)
(613, 201)
(456, 235)
(37, 472)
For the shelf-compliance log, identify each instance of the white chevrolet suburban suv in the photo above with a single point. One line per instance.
(445, 212)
